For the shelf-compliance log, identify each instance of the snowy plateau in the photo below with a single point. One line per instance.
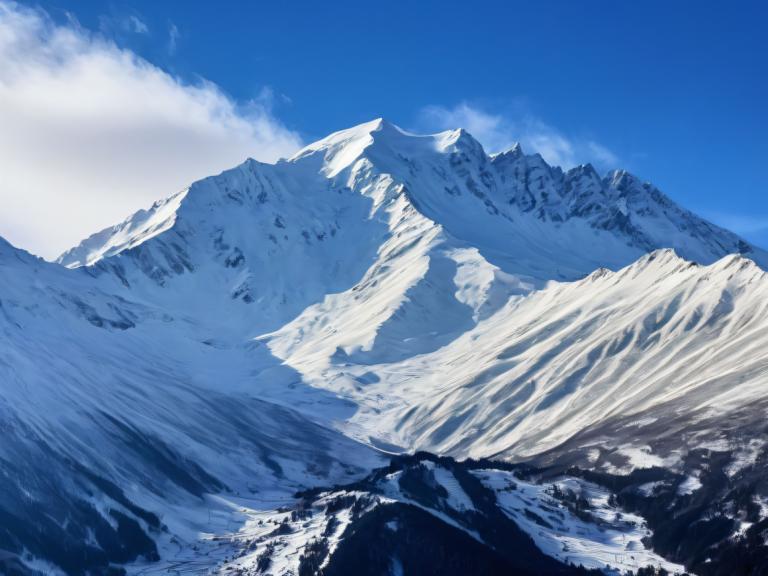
(389, 354)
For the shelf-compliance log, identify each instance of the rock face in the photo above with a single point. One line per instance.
(279, 326)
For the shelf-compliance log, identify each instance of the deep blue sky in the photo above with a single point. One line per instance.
(677, 90)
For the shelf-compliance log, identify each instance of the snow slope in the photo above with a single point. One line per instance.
(113, 438)
(660, 332)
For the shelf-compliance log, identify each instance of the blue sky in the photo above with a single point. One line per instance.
(673, 91)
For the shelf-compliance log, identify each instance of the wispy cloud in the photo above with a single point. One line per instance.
(173, 38)
(137, 25)
(498, 131)
(114, 25)
(91, 132)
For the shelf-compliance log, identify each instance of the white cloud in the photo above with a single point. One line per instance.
(91, 132)
(498, 131)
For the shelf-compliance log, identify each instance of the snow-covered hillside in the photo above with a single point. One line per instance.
(119, 427)
(507, 521)
(279, 325)
(660, 333)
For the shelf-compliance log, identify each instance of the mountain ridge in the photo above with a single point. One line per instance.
(371, 140)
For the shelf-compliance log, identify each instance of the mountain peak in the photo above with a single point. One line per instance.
(384, 140)
(339, 149)
(623, 180)
(513, 152)
(458, 140)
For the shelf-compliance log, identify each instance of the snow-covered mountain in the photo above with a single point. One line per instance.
(514, 208)
(116, 440)
(278, 326)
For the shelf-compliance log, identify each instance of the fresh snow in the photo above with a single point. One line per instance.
(689, 485)
(614, 539)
